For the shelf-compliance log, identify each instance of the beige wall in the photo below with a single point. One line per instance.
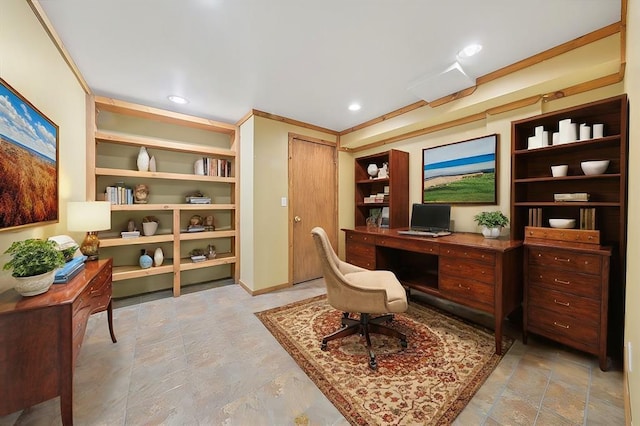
(266, 183)
(632, 320)
(31, 64)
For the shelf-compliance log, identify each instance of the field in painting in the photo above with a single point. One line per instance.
(472, 188)
(28, 187)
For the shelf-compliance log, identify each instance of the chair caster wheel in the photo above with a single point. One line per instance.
(373, 364)
(403, 343)
(323, 346)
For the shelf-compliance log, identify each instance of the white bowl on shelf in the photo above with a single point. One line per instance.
(595, 167)
(562, 223)
(559, 170)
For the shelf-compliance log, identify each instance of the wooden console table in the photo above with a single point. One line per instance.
(481, 273)
(41, 336)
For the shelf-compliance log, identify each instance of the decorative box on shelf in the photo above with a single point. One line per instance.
(569, 235)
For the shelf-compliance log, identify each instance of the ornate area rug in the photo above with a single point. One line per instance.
(430, 382)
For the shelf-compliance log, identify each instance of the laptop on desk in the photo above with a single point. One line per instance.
(429, 220)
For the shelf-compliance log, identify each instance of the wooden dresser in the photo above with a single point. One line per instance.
(41, 336)
(566, 294)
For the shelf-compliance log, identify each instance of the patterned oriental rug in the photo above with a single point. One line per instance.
(430, 382)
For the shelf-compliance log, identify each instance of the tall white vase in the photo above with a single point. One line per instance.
(158, 257)
(143, 160)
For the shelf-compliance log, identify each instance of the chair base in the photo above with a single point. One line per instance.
(364, 326)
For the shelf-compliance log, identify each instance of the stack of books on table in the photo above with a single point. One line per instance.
(198, 258)
(198, 200)
(69, 270)
(130, 234)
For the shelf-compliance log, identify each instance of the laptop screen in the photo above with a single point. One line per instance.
(430, 217)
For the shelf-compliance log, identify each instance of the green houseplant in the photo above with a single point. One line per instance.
(491, 222)
(34, 263)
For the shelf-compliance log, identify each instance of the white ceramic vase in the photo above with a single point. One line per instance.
(491, 232)
(149, 228)
(34, 285)
(143, 160)
(158, 257)
(372, 170)
(152, 164)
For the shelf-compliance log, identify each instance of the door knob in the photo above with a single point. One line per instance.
(297, 219)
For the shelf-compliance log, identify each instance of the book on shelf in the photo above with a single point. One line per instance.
(198, 200)
(118, 194)
(588, 218)
(198, 258)
(535, 216)
(130, 234)
(216, 167)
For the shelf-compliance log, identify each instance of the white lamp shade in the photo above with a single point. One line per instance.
(88, 216)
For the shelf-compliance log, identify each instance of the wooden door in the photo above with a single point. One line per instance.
(312, 202)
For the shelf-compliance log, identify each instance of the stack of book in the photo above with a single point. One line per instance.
(588, 218)
(118, 194)
(198, 200)
(535, 217)
(69, 270)
(130, 234)
(198, 258)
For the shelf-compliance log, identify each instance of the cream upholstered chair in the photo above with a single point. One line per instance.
(352, 289)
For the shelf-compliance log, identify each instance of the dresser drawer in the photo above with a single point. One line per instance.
(471, 293)
(463, 252)
(564, 280)
(564, 329)
(417, 246)
(99, 291)
(565, 304)
(565, 259)
(465, 268)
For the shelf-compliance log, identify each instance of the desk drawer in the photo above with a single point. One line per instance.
(362, 255)
(418, 246)
(99, 291)
(565, 259)
(574, 332)
(360, 238)
(567, 281)
(463, 252)
(468, 292)
(467, 269)
(565, 304)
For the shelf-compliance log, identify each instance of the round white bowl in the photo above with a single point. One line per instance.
(562, 223)
(595, 167)
(559, 170)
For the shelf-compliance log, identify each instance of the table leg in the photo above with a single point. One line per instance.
(110, 320)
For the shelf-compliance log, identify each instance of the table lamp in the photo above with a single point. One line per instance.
(89, 216)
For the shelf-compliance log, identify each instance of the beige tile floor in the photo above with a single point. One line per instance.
(204, 359)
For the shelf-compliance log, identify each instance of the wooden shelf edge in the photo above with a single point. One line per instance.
(567, 178)
(575, 144)
(187, 236)
(221, 259)
(566, 204)
(119, 241)
(127, 272)
(104, 171)
(178, 206)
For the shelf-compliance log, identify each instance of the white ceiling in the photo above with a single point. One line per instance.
(301, 59)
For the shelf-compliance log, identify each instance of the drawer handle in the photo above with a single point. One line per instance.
(96, 291)
(561, 259)
(561, 303)
(466, 288)
(560, 281)
(560, 325)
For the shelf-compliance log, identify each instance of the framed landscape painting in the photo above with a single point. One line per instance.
(29, 163)
(461, 173)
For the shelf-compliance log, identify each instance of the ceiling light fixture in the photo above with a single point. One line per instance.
(470, 51)
(354, 107)
(178, 99)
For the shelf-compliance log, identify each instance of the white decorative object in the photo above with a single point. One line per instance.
(491, 232)
(158, 257)
(568, 131)
(539, 139)
(372, 170)
(149, 228)
(152, 164)
(143, 160)
(596, 167)
(562, 223)
(585, 132)
(598, 131)
(198, 167)
(555, 138)
(559, 170)
(36, 284)
(384, 171)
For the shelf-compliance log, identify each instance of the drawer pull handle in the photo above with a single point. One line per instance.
(561, 281)
(561, 303)
(560, 325)
(466, 288)
(96, 291)
(561, 259)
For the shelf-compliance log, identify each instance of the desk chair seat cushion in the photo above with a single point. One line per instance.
(396, 297)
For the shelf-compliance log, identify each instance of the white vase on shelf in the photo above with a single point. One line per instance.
(158, 257)
(152, 164)
(143, 160)
(372, 170)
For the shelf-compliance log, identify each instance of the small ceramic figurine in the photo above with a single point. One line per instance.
(384, 171)
(141, 193)
(208, 223)
(131, 225)
(211, 251)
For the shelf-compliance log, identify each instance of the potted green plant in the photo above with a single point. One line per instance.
(491, 222)
(34, 263)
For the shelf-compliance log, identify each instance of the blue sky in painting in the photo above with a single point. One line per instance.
(20, 123)
(460, 158)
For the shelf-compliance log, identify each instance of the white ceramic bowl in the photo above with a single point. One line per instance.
(559, 170)
(562, 223)
(594, 167)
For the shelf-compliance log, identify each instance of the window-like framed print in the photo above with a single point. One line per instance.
(464, 172)
(29, 163)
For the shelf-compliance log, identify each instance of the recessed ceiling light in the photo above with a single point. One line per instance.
(354, 107)
(469, 51)
(178, 99)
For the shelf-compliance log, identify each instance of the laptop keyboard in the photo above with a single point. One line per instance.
(425, 233)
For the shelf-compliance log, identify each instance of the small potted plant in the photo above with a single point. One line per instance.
(150, 225)
(491, 222)
(34, 263)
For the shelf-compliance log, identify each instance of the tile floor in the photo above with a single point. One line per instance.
(204, 359)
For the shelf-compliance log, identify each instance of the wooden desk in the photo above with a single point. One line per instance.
(41, 336)
(481, 273)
